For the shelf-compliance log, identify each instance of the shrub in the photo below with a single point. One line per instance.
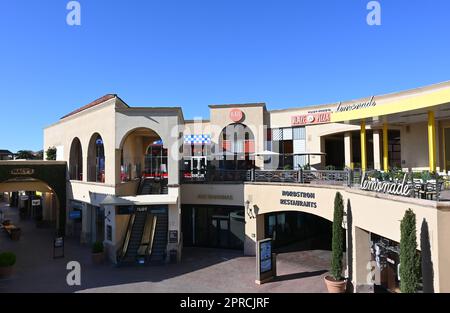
(409, 258)
(338, 238)
(97, 247)
(7, 259)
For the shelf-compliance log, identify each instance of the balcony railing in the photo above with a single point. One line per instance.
(431, 189)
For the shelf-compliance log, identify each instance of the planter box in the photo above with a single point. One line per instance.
(98, 258)
(6, 271)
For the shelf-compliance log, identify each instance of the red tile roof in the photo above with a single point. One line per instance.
(92, 104)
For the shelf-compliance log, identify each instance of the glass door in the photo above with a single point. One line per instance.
(198, 166)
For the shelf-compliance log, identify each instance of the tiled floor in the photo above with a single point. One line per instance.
(201, 270)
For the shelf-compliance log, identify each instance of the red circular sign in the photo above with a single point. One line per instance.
(236, 115)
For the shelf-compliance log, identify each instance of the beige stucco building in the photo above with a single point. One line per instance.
(148, 182)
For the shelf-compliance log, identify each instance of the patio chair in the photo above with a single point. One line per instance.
(418, 186)
(430, 189)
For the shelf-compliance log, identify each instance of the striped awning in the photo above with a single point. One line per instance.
(197, 139)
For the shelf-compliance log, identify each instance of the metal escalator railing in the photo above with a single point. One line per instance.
(126, 241)
(148, 235)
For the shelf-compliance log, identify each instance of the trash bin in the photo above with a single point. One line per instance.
(173, 256)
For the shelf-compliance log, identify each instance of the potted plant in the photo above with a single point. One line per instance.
(98, 253)
(335, 282)
(7, 261)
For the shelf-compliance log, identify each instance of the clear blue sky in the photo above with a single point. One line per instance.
(193, 53)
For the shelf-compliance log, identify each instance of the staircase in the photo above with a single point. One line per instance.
(150, 186)
(136, 230)
(146, 187)
(158, 254)
(135, 237)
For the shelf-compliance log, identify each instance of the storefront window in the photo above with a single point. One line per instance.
(213, 226)
(156, 161)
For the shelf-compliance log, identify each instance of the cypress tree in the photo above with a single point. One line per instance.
(338, 238)
(409, 259)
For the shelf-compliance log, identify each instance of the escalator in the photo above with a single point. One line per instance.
(152, 186)
(146, 238)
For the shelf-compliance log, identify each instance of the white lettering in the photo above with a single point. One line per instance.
(374, 16)
(74, 16)
(399, 189)
(73, 278)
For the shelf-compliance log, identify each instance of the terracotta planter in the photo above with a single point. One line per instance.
(6, 271)
(98, 258)
(334, 286)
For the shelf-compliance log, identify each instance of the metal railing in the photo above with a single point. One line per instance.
(212, 176)
(286, 176)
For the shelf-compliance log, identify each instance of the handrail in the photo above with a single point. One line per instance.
(152, 236)
(127, 236)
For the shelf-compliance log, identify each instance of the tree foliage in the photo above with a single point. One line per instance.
(51, 154)
(338, 238)
(409, 258)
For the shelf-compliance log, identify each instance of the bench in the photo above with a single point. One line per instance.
(13, 231)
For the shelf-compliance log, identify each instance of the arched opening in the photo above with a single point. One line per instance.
(30, 198)
(302, 243)
(236, 146)
(76, 160)
(96, 159)
(144, 156)
(294, 229)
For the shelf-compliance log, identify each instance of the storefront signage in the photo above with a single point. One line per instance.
(75, 215)
(356, 106)
(173, 236)
(236, 115)
(311, 119)
(306, 199)
(58, 243)
(215, 197)
(36, 202)
(22, 171)
(393, 188)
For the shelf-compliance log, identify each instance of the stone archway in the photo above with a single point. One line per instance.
(52, 173)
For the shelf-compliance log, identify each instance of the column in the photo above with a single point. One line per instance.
(432, 141)
(363, 146)
(376, 150)
(385, 147)
(348, 150)
(363, 269)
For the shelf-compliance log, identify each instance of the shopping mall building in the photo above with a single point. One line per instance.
(147, 182)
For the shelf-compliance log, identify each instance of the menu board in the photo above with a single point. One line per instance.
(265, 249)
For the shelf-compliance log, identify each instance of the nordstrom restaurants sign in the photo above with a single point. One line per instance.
(393, 188)
(296, 198)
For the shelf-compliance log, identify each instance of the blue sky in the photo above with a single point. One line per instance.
(192, 53)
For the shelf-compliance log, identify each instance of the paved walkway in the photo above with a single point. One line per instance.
(201, 270)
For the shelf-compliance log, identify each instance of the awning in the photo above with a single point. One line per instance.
(140, 200)
(265, 153)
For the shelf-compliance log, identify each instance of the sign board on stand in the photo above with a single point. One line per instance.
(265, 262)
(58, 243)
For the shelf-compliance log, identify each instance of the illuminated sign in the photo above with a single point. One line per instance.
(265, 248)
(22, 171)
(236, 115)
(311, 119)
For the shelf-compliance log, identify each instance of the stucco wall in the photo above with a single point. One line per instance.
(380, 214)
